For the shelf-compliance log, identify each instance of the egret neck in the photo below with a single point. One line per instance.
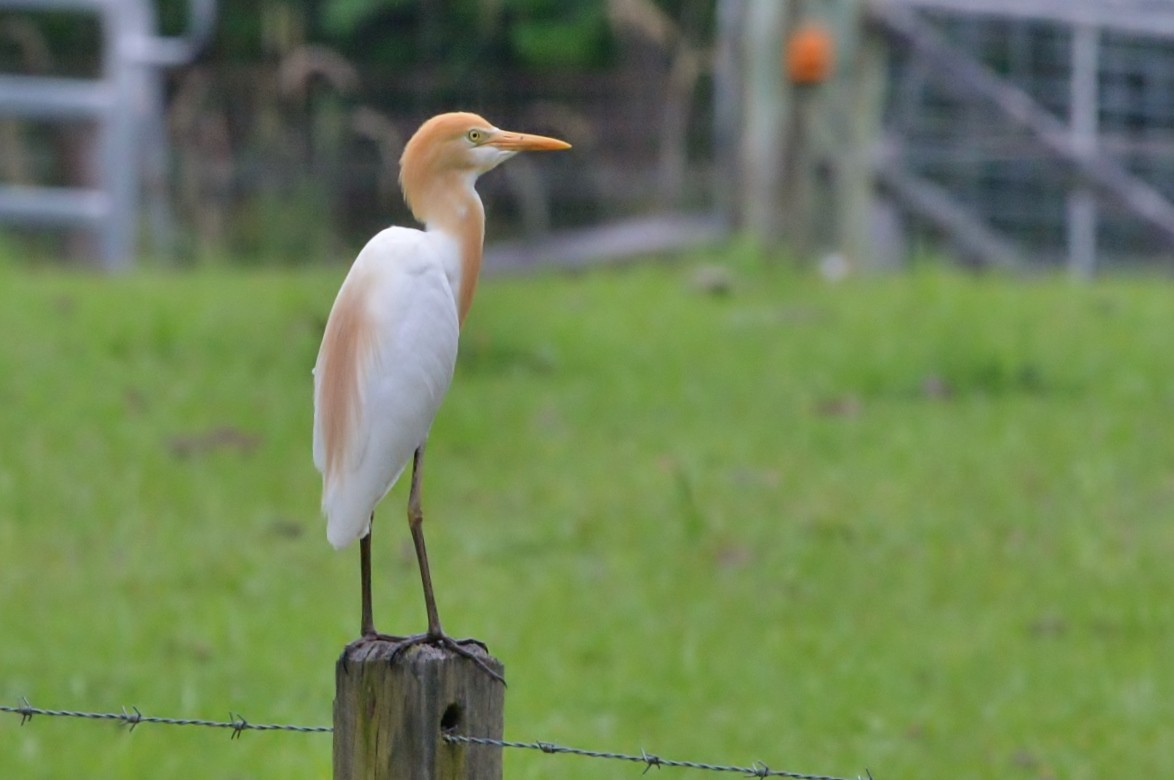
(452, 207)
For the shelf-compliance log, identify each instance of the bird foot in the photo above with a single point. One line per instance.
(367, 640)
(443, 640)
(371, 637)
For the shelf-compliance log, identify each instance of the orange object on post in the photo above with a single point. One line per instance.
(810, 54)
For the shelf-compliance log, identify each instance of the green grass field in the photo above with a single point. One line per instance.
(919, 524)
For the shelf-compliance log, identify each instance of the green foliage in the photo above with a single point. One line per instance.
(288, 228)
(526, 33)
(560, 35)
(917, 524)
(344, 17)
(48, 41)
(468, 33)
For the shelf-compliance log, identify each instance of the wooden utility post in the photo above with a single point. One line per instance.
(764, 120)
(858, 113)
(836, 132)
(390, 717)
(796, 150)
(1083, 116)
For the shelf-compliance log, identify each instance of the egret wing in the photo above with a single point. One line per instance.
(386, 362)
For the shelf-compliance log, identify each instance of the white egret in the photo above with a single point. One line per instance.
(390, 343)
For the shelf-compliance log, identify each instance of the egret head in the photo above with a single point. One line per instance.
(463, 144)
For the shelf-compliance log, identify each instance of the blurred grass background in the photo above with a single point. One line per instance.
(918, 524)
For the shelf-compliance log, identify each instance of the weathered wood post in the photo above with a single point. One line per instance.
(859, 98)
(765, 120)
(390, 717)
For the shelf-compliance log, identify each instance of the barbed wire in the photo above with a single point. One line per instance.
(133, 717)
(758, 769)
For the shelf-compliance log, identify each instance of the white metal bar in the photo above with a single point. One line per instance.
(55, 5)
(58, 206)
(1142, 17)
(123, 22)
(1082, 120)
(43, 97)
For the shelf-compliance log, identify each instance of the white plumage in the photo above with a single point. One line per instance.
(404, 280)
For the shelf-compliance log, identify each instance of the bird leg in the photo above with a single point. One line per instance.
(416, 523)
(367, 626)
(367, 632)
(435, 634)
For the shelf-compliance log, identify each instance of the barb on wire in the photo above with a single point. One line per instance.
(757, 769)
(132, 718)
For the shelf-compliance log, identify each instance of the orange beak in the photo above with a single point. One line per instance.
(524, 142)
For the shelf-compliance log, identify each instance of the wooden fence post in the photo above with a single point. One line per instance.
(390, 717)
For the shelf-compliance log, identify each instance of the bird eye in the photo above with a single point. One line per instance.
(475, 136)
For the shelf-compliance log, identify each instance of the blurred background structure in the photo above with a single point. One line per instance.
(1064, 148)
(1007, 132)
(121, 145)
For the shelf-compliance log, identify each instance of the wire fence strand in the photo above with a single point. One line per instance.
(758, 769)
(133, 717)
(237, 724)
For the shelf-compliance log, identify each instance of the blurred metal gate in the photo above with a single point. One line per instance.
(1036, 129)
(125, 104)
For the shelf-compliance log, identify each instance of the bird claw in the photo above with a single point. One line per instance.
(443, 640)
(375, 636)
(367, 639)
(468, 641)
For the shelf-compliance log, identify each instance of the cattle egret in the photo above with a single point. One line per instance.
(390, 344)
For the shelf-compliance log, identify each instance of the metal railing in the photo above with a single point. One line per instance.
(124, 104)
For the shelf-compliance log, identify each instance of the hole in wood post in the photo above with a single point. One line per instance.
(450, 721)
